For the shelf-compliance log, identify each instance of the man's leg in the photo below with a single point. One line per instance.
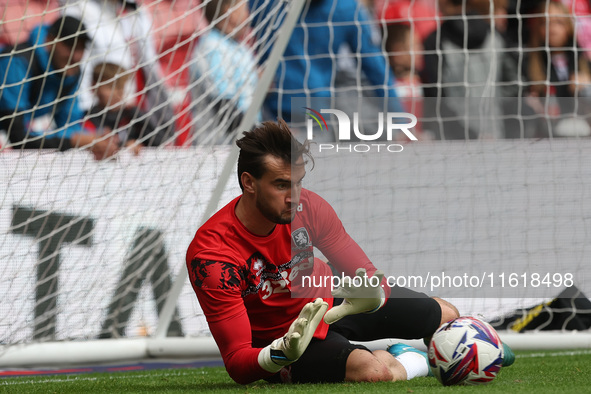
(381, 366)
(377, 366)
(335, 359)
(448, 310)
(409, 315)
(406, 315)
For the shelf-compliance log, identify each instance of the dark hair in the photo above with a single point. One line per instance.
(68, 30)
(269, 138)
(215, 8)
(397, 33)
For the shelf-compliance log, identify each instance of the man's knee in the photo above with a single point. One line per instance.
(364, 366)
(379, 366)
(448, 310)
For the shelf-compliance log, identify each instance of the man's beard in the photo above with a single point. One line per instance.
(272, 216)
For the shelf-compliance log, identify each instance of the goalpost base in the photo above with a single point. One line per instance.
(106, 351)
(123, 350)
(548, 340)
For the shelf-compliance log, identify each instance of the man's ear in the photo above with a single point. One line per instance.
(247, 182)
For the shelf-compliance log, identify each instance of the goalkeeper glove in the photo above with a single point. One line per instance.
(287, 349)
(368, 296)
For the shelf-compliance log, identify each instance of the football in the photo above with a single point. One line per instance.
(465, 350)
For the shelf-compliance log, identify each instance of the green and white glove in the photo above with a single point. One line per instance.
(287, 349)
(364, 295)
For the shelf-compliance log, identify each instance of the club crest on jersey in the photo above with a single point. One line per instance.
(301, 239)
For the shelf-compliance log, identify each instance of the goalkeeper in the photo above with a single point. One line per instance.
(245, 265)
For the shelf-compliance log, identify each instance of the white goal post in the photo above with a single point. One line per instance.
(93, 252)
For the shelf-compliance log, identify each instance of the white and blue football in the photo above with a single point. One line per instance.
(465, 350)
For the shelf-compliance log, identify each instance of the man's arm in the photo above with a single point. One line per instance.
(216, 285)
(14, 101)
(347, 257)
(21, 139)
(331, 238)
(68, 115)
(233, 337)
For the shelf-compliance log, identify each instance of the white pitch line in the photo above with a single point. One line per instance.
(71, 378)
(555, 354)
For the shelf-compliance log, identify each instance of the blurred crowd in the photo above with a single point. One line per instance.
(112, 75)
(493, 69)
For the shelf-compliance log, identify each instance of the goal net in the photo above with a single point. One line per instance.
(94, 246)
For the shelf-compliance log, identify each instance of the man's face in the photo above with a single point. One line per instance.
(67, 58)
(110, 95)
(235, 22)
(278, 191)
(558, 34)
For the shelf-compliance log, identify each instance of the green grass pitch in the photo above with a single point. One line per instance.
(533, 372)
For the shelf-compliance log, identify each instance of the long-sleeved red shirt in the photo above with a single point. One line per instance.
(250, 287)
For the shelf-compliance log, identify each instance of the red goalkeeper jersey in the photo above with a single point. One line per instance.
(250, 287)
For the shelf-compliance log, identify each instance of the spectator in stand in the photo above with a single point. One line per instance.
(522, 11)
(405, 54)
(581, 9)
(467, 69)
(557, 69)
(223, 72)
(112, 116)
(121, 33)
(420, 15)
(40, 81)
(555, 49)
(309, 64)
(499, 11)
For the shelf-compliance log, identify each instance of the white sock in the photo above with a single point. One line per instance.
(414, 364)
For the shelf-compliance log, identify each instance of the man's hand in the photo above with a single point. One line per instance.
(102, 147)
(105, 148)
(364, 295)
(287, 349)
